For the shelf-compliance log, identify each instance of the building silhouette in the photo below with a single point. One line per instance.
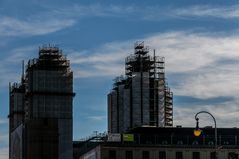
(161, 143)
(40, 119)
(141, 97)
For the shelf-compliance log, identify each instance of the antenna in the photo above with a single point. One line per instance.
(23, 69)
(9, 87)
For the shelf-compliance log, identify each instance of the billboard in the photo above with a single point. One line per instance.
(128, 137)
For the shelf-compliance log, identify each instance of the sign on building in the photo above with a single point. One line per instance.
(114, 137)
(128, 137)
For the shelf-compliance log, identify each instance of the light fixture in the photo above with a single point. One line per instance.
(197, 131)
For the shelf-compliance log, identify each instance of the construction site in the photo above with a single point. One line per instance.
(41, 108)
(141, 97)
(140, 115)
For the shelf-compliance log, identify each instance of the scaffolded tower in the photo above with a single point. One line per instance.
(41, 108)
(141, 97)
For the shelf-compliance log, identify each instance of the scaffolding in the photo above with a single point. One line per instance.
(146, 99)
(46, 101)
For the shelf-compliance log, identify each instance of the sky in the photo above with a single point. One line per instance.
(199, 40)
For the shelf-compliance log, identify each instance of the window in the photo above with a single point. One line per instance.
(179, 155)
(45, 121)
(128, 155)
(213, 155)
(180, 142)
(196, 155)
(164, 142)
(146, 155)
(112, 154)
(232, 155)
(162, 155)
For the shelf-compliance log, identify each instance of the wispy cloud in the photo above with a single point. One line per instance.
(104, 61)
(154, 13)
(204, 65)
(199, 57)
(95, 10)
(10, 26)
(4, 153)
(3, 139)
(3, 121)
(18, 54)
(50, 20)
(97, 118)
(180, 49)
(225, 114)
(55, 19)
(225, 12)
(12, 64)
(159, 13)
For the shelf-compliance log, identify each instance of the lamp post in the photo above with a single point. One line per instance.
(197, 131)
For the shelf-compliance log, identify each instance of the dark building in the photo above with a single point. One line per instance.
(162, 143)
(41, 109)
(141, 97)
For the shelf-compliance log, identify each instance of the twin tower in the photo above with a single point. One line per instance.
(40, 111)
(40, 119)
(141, 97)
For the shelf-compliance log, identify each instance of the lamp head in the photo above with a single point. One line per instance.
(197, 131)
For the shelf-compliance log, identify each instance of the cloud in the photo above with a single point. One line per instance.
(10, 26)
(199, 65)
(226, 115)
(106, 61)
(188, 101)
(23, 53)
(95, 10)
(4, 139)
(153, 13)
(159, 13)
(52, 19)
(185, 52)
(225, 12)
(4, 153)
(97, 118)
(206, 64)
(3, 121)
(12, 64)
(199, 57)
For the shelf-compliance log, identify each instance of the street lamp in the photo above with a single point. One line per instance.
(197, 131)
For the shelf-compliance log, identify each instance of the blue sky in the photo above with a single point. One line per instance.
(199, 40)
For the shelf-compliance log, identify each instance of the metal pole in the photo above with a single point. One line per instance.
(196, 118)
